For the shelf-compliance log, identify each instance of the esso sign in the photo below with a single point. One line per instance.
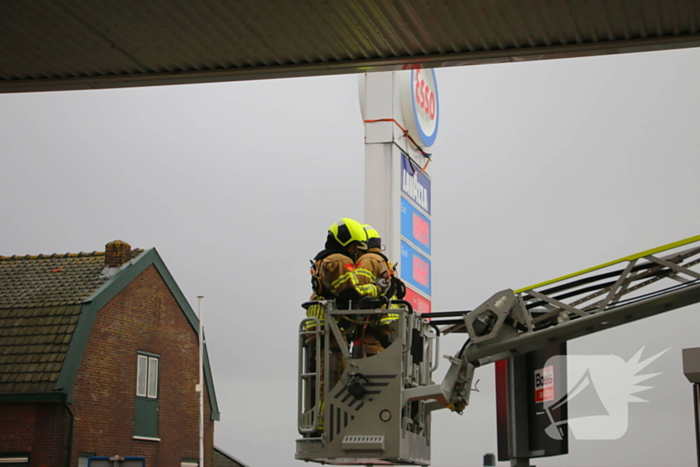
(420, 104)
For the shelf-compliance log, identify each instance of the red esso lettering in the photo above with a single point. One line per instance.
(421, 93)
(417, 90)
(425, 97)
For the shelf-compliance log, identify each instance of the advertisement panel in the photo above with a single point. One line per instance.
(548, 405)
(415, 185)
(532, 404)
(415, 268)
(415, 227)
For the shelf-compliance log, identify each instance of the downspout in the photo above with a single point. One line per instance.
(70, 434)
(201, 383)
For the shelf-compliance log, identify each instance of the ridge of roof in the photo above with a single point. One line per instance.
(135, 253)
(53, 255)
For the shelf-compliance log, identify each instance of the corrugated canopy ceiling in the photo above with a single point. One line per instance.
(78, 44)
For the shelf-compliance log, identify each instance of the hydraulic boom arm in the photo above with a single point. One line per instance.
(621, 291)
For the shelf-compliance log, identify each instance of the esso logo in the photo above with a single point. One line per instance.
(425, 97)
(420, 104)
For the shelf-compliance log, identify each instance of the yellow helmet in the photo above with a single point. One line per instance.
(373, 238)
(347, 230)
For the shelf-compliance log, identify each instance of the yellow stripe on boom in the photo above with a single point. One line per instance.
(642, 254)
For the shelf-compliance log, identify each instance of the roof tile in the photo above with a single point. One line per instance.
(50, 280)
(41, 298)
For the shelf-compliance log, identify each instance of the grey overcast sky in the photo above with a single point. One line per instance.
(540, 169)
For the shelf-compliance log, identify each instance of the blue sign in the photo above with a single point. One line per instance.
(415, 268)
(415, 227)
(415, 184)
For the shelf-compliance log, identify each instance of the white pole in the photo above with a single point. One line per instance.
(200, 386)
(381, 198)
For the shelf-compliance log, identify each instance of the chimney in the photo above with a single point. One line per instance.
(117, 253)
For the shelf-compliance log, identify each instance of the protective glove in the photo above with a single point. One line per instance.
(383, 284)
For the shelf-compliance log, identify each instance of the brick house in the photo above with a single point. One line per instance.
(99, 357)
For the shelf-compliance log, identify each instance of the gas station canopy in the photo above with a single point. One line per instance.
(48, 45)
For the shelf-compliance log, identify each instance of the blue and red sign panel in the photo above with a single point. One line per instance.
(415, 227)
(415, 185)
(415, 268)
(416, 241)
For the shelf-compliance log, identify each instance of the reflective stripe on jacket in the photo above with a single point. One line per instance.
(315, 311)
(370, 267)
(337, 275)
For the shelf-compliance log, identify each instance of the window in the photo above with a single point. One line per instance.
(147, 377)
(146, 416)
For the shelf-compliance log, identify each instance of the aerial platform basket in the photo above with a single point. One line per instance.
(366, 418)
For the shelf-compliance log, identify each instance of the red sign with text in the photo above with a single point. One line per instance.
(544, 384)
(419, 303)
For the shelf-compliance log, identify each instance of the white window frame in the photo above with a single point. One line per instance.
(153, 368)
(14, 460)
(141, 375)
(147, 372)
(83, 458)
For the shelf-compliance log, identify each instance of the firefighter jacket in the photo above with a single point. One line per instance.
(336, 279)
(372, 266)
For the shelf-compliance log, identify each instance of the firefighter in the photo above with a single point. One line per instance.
(333, 269)
(334, 278)
(373, 267)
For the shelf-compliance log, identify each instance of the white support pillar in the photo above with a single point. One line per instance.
(380, 159)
